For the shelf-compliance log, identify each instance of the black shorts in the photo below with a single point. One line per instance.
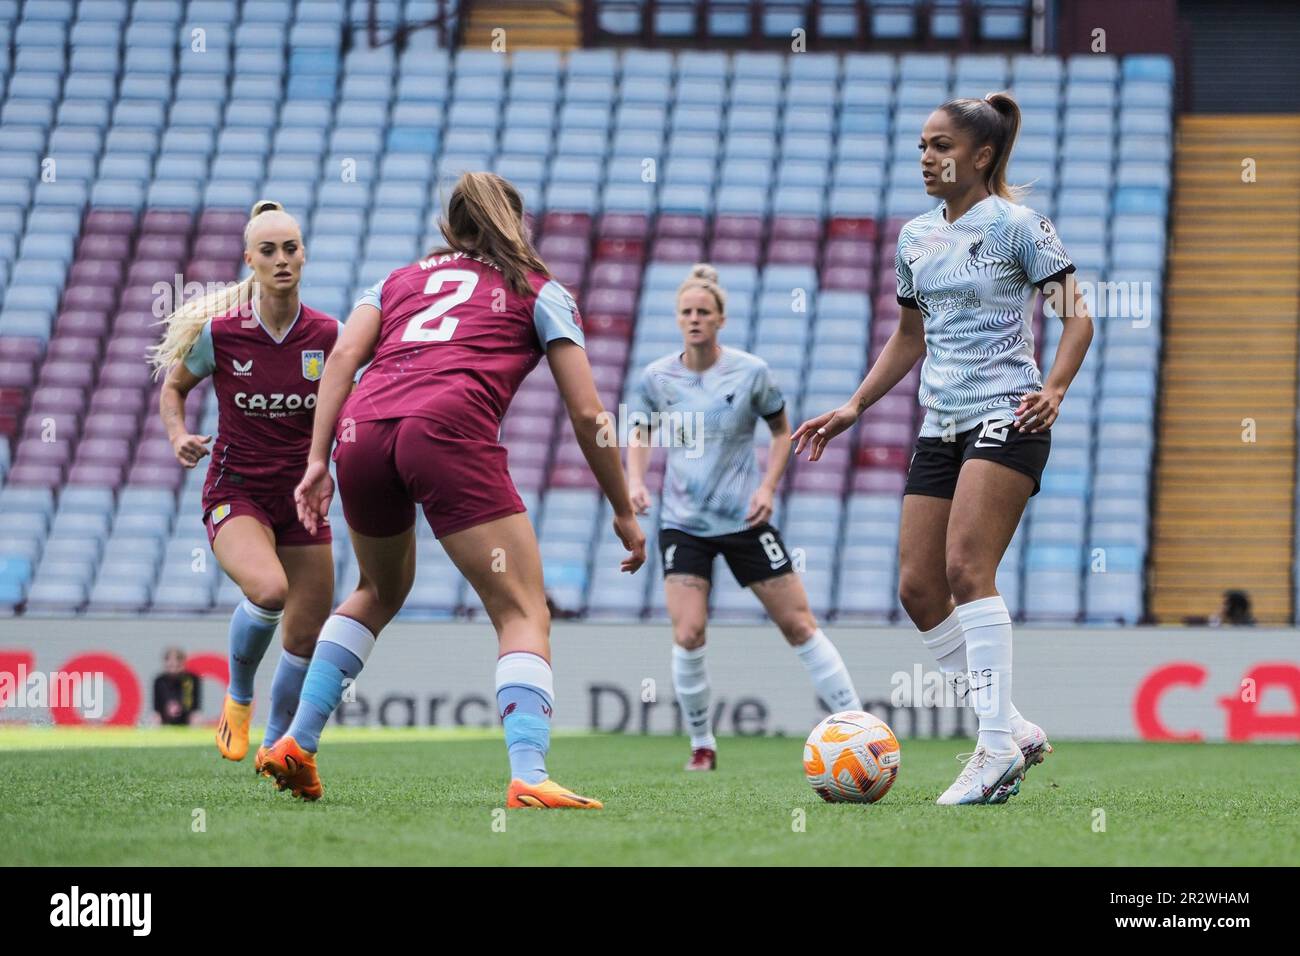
(936, 463)
(755, 554)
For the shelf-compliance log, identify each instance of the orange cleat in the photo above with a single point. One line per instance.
(232, 729)
(293, 769)
(547, 795)
(259, 762)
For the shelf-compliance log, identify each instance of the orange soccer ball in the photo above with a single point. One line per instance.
(851, 757)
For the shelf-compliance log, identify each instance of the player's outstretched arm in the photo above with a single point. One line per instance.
(904, 349)
(1038, 410)
(572, 373)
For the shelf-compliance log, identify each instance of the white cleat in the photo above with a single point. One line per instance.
(1032, 742)
(986, 778)
(1034, 747)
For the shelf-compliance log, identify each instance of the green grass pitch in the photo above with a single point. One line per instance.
(428, 797)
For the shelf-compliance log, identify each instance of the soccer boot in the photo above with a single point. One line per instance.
(986, 778)
(703, 758)
(293, 769)
(1032, 742)
(232, 729)
(546, 795)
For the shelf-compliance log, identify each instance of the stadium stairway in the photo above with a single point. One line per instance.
(1225, 503)
(527, 24)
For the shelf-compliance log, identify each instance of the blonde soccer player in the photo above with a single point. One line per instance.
(715, 502)
(266, 351)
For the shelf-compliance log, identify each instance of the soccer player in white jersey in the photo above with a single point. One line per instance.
(965, 271)
(709, 398)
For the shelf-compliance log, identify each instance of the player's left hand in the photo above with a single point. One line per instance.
(760, 506)
(629, 532)
(1038, 410)
(313, 495)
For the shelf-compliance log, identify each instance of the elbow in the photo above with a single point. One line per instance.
(589, 419)
(343, 363)
(589, 416)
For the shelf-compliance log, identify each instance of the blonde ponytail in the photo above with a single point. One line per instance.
(187, 321)
(704, 276)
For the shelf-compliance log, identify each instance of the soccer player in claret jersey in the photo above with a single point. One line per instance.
(715, 504)
(449, 339)
(965, 270)
(266, 352)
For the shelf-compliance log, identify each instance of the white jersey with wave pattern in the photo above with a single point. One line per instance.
(971, 280)
(707, 420)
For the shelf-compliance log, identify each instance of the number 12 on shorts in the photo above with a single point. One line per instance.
(416, 330)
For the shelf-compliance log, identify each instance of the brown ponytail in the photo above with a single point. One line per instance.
(485, 219)
(993, 121)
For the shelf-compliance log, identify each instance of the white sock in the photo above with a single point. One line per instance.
(947, 642)
(987, 626)
(691, 684)
(348, 633)
(829, 675)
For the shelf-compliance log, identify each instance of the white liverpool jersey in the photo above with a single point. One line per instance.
(971, 280)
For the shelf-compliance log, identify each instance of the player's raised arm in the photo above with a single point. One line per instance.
(572, 373)
(906, 347)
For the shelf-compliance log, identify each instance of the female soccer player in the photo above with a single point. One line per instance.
(965, 270)
(266, 351)
(715, 504)
(449, 339)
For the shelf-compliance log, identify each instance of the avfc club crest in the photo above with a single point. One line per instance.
(313, 361)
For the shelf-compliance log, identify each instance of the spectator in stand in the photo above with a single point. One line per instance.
(177, 693)
(1236, 610)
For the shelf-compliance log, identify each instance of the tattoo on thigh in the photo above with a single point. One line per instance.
(689, 581)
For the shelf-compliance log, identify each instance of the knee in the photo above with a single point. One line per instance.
(689, 635)
(389, 594)
(514, 607)
(301, 644)
(270, 592)
(797, 625)
(966, 579)
(920, 597)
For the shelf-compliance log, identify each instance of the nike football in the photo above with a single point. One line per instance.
(851, 757)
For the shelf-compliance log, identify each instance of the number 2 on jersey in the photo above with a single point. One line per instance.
(415, 330)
